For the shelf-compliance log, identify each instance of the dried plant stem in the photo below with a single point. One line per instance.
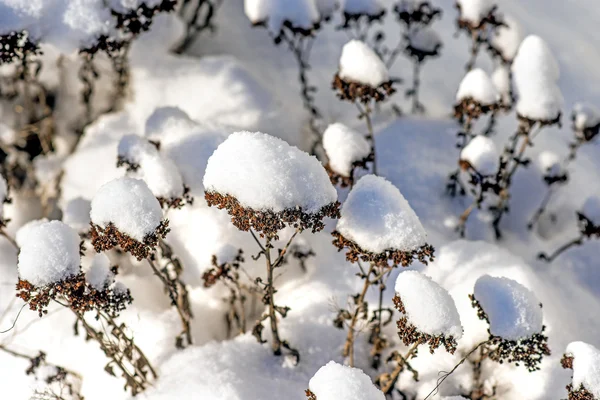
(359, 303)
(201, 20)
(542, 208)
(413, 92)
(447, 374)
(365, 112)
(575, 242)
(475, 46)
(179, 299)
(270, 288)
(401, 363)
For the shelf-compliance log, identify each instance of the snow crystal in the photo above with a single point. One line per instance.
(159, 172)
(473, 11)
(513, 310)
(424, 39)
(377, 217)
(359, 63)
(300, 13)
(49, 252)
(264, 172)
(585, 116)
(507, 38)
(339, 382)
(99, 275)
(591, 209)
(344, 146)
(586, 367)
(550, 164)
(129, 204)
(482, 155)
(429, 307)
(76, 214)
(478, 86)
(363, 7)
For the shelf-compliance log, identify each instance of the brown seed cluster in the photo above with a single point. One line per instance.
(346, 181)
(528, 123)
(138, 20)
(177, 202)
(397, 257)
(409, 334)
(472, 109)
(225, 271)
(16, 46)
(80, 296)
(269, 223)
(575, 394)
(104, 239)
(422, 14)
(310, 395)
(528, 351)
(587, 226)
(420, 55)
(354, 91)
(351, 19)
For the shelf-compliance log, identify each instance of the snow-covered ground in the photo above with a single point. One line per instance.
(236, 79)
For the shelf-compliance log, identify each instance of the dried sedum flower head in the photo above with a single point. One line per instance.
(589, 217)
(476, 95)
(586, 121)
(428, 312)
(265, 184)
(378, 225)
(505, 40)
(584, 360)
(125, 213)
(346, 150)
(514, 315)
(334, 381)
(16, 46)
(481, 155)
(476, 14)
(422, 43)
(416, 12)
(362, 75)
(356, 11)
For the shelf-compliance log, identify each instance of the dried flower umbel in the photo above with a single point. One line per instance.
(580, 393)
(380, 267)
(104, 239)
(348, 181)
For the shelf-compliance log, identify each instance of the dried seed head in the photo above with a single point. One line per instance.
(410, 12)
(16, 46)
(138, 20)
(354, 91)
(104, 239)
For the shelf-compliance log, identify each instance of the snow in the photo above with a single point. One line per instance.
(535, 73)
(99, 275)
(130, 205)
(49, 253)
(585, 115)
(377, 217)
(473, 11)
(513, 310)
(502, 83)
(591, 209)
(299, 13)
(26, 229)
(344, 146)
(362, 7)
(76, 214)
(506, 39)
(424, 39)
(586, 367)
(326, 8)
(334, 381)
(429, 307)
(133, 149)
(478, 86)
(359, 63)
(265, 173)
(550, 164)
(481, 153)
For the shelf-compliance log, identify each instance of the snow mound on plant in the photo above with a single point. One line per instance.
(474, 11)
(334, 381)
(586, 367)
(501, 79)
(424, 39)
(363, 7)
(130, 205)
(76, 214)
(359, 63)
(481, 153)
(591, 209)
(274, 13)
(478, 86)
(514, 312)
(428, 306)
(550, 164)
(99, 275)
(49, 253)
(585, 116)
(265, 173)
(343, 147)
(507, 38)
(377, 217)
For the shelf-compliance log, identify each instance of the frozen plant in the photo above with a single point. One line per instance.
(379, 228)
(334, 381)
(554, 175)
(266, 185)
(346, 151)
(360, 14)
(505, 39)
(588, 220)
(295, 24)
(584, 360)
(477, 18)
(125, 213)
(363, 79)
(49, 271)
(428, 316)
